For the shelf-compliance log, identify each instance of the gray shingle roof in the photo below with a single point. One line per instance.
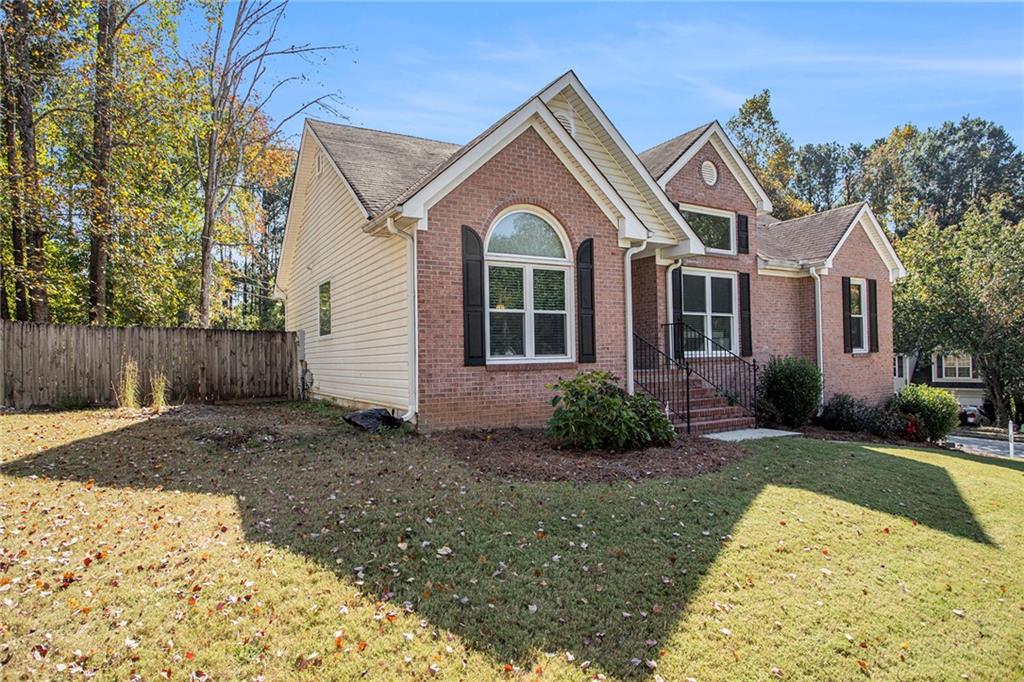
(660, 158)
(808, 239)
(380, 165)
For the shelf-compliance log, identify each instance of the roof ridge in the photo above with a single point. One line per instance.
(701, 128)
(382, 132)
(813, 215)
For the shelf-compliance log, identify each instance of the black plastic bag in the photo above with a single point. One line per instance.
(373, 420)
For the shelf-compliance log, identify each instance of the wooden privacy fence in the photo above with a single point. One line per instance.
(55, 364)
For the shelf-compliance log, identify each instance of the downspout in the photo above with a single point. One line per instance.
(413, 321)
(669, 338)
(816, 276)
(629, 313)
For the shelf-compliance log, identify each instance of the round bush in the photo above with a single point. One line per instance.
(788, 391)
(935, 411)
(593, 412)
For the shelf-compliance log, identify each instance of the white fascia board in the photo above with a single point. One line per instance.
(760, 198)
(658, 190)
(866, 218)
(417, 206)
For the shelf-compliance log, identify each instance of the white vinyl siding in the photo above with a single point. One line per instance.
(584, 125)
(365, 357)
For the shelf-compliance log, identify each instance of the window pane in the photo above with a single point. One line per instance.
(525, 234)
(549, 334)
(721, 331)
(855, 299)
(721, 295)
(548, 289)
(693, 333)
(714, 230)
(506, 288)
(857, 331)
(693, 294)
(507, 334)
(325, 308)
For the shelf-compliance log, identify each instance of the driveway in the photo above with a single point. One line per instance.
(987, 446)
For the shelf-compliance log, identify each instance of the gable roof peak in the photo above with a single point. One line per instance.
(660, 157)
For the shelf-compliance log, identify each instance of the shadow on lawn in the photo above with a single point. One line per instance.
(346, 501)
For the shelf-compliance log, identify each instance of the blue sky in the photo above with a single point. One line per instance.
(845, 72)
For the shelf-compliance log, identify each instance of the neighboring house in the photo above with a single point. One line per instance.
(955, 372)
(453, 283)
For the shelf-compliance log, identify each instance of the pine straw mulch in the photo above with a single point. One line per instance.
(528, 455)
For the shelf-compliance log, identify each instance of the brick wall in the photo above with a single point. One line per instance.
(650, 300)
(453, 395)
(867, 376)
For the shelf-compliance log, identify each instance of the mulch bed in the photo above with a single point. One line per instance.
(863, 437)
(528, 455)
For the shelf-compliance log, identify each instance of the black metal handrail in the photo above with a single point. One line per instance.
(666, 379)
(732, 377)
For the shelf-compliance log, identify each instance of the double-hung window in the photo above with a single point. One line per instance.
(709, 311)
(717, 229)
(956, 367)
(858, 315)
(528, 290)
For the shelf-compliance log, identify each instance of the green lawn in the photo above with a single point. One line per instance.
(277, 541)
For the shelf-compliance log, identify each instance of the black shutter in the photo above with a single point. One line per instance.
(585, 301)
(677, 313)
(938, 366)
(746, 345)
(873, 319)
(742, 234)
(847, 338)
(473, 297)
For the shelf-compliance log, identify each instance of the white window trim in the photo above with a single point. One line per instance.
(708, 274)
(732, 250)
(863, 283)
(958, 356)
(527, 264)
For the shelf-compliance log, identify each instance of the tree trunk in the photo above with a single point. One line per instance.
(13, 186)
(209, 223)
(34, 229)
(100, 205)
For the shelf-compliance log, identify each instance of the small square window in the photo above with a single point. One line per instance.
(325, 308)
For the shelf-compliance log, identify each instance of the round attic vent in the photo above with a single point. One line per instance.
(709, 172)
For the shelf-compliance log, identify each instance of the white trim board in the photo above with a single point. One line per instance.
(866, 219)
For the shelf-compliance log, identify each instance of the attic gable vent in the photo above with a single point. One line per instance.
(709, 173)
(319, 163)
(568, 120)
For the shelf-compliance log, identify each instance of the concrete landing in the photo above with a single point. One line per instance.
(749, 434)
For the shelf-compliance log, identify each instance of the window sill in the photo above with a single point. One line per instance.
(530, 366)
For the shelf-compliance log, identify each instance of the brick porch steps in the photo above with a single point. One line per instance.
(709, 411)
(715, 425)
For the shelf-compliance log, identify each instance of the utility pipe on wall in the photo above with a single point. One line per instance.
(413, 321)
(816, 275)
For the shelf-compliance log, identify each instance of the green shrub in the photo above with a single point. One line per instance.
(845, 413)
(936, 412)
(788, 391)
(593, 412)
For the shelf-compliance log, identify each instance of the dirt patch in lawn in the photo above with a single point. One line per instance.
(528, 455)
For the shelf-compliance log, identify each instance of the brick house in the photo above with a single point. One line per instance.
(453, 283)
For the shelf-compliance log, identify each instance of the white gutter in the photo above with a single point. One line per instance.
(629, 313)
(413, 322)
(815, 274)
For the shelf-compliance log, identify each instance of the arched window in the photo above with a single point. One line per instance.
(528, 288)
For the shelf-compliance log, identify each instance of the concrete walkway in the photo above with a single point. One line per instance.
(749, 434)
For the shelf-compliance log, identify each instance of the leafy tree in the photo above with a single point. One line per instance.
(963, 294)
(829, 175)
(769, 151)
(960, 166)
